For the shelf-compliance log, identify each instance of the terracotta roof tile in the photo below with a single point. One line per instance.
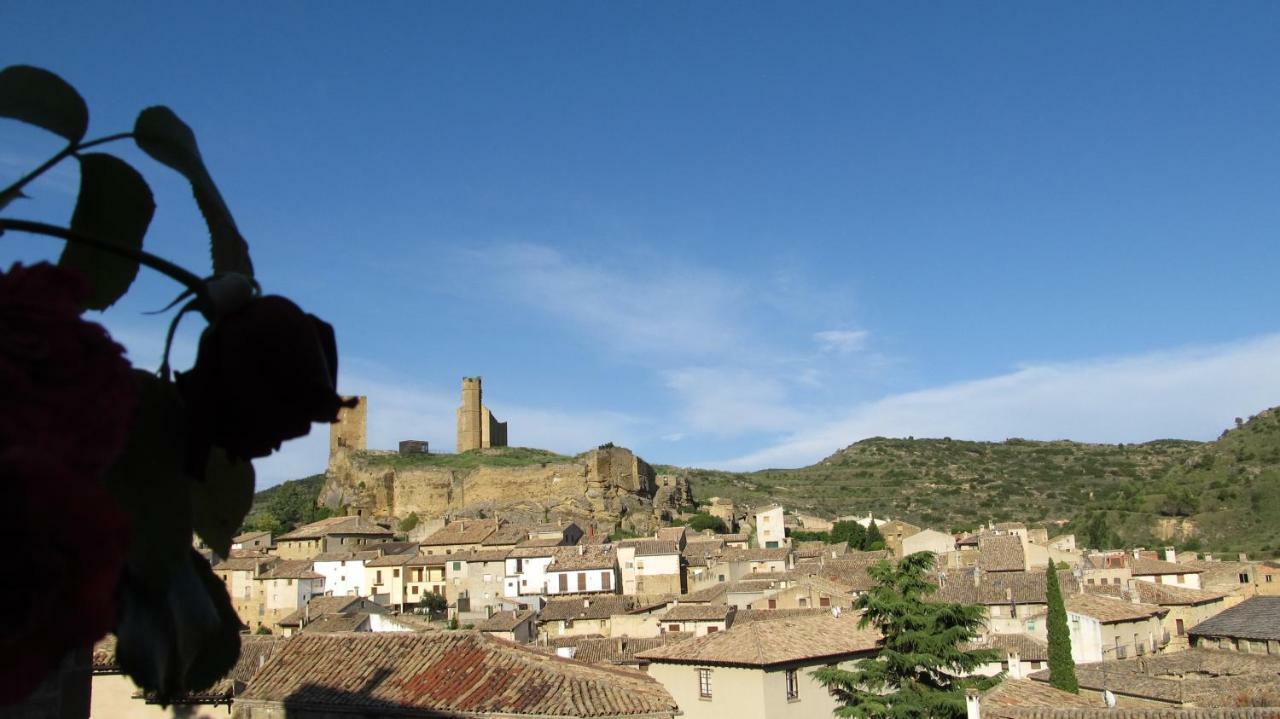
(291, 569)
(505, 621)
(1196, 676)
(599, 606)
(612, 650)
(320, 606)
(1109, 610)
(654, 547)
(446, 673)
(583, 557)
(337, 525)
(1254, 618)
(1029, 648)
(766, 643)
(698, 613)
(1027, 693)
(1001, 553)
(462, 531)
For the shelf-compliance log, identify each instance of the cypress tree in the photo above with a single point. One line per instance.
(874, 539)
(1062, 669)
(921, 667)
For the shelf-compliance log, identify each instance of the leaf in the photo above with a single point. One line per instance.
(168, 140)
(221, 646)
(220, 503)
(41, 98)
(115, 205)
(148, 481)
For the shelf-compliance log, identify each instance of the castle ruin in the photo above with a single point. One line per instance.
(477, 427)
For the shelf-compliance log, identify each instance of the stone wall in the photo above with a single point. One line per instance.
(350, 431)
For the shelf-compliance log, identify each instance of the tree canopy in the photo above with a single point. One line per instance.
(917, 669)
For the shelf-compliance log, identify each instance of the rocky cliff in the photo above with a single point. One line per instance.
(605, 488)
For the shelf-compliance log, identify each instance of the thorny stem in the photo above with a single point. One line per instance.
(66, 152)
(142, 257)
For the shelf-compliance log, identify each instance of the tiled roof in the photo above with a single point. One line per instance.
(612, 650)
(254, 652)
(320, 606)
(1029, 648)
(446, 673)
(1166, 595)
(395, 547)
(530, 552)
(1001, 553)
(505, 621)
(1026, 693)
(337, 525)
(291, 569)
(754, 554)
(1150, 712)
(462, 531)
(599, 606)
(1109, 610)
(654, 547)
(957, 586)
(714, 593)
(1254, 618)
(481, 555)
(739, 537)
(768, 508)
(583, 557)
(1144, 566)
(331, 623)
(507, 535)
(1200, 677)
(244, 564)
(698, 613)
(670, 534)
(767, 643)
(396, 560)
(541, 542)
(746, 616)
(248, 537)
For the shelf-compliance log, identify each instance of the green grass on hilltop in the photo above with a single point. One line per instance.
(473, 459)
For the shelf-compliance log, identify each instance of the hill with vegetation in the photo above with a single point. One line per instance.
(1223, 495)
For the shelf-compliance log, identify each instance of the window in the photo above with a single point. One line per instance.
(824, 601)
(488, 577)
(1270, 577)
(1031, 625)
(606, 581)
(581, 582)
(804, 602)
(457, 566)
(773, 604)
(1037, 665)
(1244, 578)
(1115, 580)
(704, 683)
(1181, 578)
(1089, 581)
(793, 686)
(377, 577)
(395, 573)
(712, 630)
(415, 589)
(564, 582)
(1182, 628)
(673, 627)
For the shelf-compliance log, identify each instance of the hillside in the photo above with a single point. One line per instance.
(1224, 494)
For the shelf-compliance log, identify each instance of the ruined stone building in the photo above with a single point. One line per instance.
(477, 427)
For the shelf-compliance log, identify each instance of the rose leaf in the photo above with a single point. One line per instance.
(220, 503)
(115, 206)
(168, 140)
(41, 98)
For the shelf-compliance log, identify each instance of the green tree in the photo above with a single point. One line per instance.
(874, 540)
(851, 533)
(702, 521)
(408, 523)
(434, 603)
(1062, 669)
(919, 664)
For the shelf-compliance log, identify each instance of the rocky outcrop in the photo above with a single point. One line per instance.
(602, 489)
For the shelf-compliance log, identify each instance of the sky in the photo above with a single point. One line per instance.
(735, 235)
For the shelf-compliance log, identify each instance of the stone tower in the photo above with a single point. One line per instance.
(477, 427)
(350, 432)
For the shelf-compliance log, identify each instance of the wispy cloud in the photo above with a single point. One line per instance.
(841, 341)
(1188, 393)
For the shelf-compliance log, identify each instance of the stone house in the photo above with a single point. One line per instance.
(285, 588)
(760, 669)
(344, 573)
(740, 540)
(804, 592)
(388, 579)
(1158, 571)
(927, 540)
(1019, 655)
(1265, 577)
(896, 530)
(514, 626)
(577, 616)
(441, 674)
(481, 592)
(1008, 597)
(1186, 607)
(252, 540)
(770, 532)
(584, 568)
(1250, 627)
(651, 566)
(699, 619)
(733, 564)
(239, 574)
(1234, 578)
(526, 570)
(318, 607)
(459, 535)
(335, 534)
(1105, 628)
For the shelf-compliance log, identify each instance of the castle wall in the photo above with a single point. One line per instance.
(470, 431)
(494, 432)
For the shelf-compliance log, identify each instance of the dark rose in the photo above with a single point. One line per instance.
(263, 374)
(67, 386)
(69, 539)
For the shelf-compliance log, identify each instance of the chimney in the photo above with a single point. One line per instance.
(1244, 557)
(1208, 557)
(972, 704)
(977, 576)
(1015, 664)
(1170, 554)
(462, 525)
(582, 548)
(586, 603)
(1137, 552)
(1132, 590)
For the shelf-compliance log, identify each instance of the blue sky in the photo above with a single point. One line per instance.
(737, 234)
